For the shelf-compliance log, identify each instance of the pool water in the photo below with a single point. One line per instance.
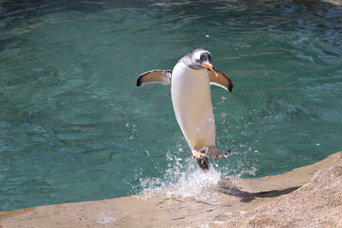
(74, 126)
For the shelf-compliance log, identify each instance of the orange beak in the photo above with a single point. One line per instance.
(210, 67)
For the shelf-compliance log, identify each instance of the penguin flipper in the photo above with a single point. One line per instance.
(220, 79)
(155, 76)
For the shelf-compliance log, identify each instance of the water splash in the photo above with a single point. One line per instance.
(183, 178)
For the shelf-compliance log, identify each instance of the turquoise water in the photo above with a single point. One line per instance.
(74, 126)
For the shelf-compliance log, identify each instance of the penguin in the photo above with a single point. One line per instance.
(190, 82)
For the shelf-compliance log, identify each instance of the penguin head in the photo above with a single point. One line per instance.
(198, 59)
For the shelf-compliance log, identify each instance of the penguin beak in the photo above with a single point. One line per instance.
(209, 66)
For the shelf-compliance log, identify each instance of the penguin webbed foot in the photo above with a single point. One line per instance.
(199, 154)
(215, 153)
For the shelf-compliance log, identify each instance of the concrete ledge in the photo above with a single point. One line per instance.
(158, 210)
(316, 204)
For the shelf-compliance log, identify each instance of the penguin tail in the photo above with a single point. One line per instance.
(203, 163)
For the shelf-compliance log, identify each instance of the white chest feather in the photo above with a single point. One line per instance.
(191, 99)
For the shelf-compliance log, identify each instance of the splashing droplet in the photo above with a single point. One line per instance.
(183, 178)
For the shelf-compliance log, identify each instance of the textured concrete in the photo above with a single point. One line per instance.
(227, 201)
(316, 204)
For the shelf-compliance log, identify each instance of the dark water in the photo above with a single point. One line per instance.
(74, 126)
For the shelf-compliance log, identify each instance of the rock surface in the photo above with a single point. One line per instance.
(226, 201)
(316, 204)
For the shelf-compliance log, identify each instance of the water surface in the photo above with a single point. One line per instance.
(74, 126)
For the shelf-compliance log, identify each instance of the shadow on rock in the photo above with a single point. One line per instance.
(226, 186)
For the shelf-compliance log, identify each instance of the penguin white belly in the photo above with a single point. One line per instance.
(191, 99)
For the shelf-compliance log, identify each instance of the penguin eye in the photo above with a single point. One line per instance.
(198, 60)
